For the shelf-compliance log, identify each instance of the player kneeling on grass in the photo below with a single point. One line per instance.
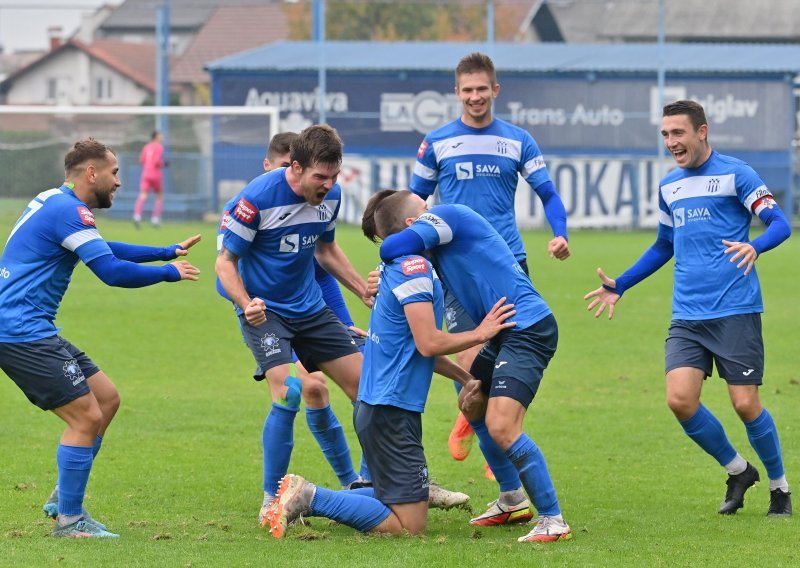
(55, 231)
(405, 345)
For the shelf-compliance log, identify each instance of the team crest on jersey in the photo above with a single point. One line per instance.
(423, 475)
(414, 266)
(87, 217)
(269, 343)
(422, 148)
(73, 372)
(245, 211)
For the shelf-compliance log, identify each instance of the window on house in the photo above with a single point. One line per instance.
(103, 89)
(51, 89)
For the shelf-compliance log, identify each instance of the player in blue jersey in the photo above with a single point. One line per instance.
(705, 208)
(283, 220)
(477, 266)
(322, 421)
(55, 232)
(477, 160)
(404, 336)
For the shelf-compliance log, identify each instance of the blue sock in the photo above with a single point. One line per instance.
(529, 461)
(277, 439)
(763, 436)
(74, 464)
(504, 471)
(98, 441)
(328, 432)
(349, 508)
(707, 432)
(364, 469)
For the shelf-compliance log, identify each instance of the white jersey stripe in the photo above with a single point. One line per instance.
(532, 166)
(760, 192)
(664, 218)
(482, 144)
(440, 226)
(699, 186)
(411, 287)
(240, 230)
(425, 172)
(297, 214)
(75, 240)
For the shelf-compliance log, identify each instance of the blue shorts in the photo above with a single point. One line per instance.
(51, 372)
(391, 439)
(456, 317)
(315, 339)
(733, 344)
(512, 363)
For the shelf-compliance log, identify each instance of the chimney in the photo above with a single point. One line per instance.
(54, 33)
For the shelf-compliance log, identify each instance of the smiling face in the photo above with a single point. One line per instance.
(477, 93)
(316, 180)
(687, 144)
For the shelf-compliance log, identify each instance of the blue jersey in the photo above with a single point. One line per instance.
(700, 207)
(274, 231)
(477, 265)
(331, 293)
(54, 233)
(479, 167)
(394, 372)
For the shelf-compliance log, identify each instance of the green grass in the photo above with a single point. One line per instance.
(179, 473)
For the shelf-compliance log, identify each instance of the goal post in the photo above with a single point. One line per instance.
(212, 151)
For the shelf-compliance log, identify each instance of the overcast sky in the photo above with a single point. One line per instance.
(24, 23)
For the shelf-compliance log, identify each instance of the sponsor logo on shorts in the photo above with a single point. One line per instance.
(270, 345)
(414, 266)
(4, 272)
(748, 372)
(421, 149)
(450, 318)
(245, 211)
(500, 364)
(87, 217)
(423, 474)
(73, 372)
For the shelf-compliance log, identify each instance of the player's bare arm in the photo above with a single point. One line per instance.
(228, 271)
(332, 258)
(603, 298)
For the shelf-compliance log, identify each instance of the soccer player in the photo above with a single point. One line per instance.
(476, 160)
(705, 208)
(281, 221)
(54, 233)
(152, 179)
(477, 266)
(404, 337)
(322, 421)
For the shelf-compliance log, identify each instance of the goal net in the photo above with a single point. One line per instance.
(212, 152)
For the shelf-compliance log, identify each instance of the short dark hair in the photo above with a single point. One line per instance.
(83, 151)
(280, 144)
(692, 109)
(475, 63)
(317, 144)
(385, 214)
(154, 134)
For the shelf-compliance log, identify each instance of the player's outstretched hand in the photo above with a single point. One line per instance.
(745, 251)
(360, 332)
(256, 312)
(187, 271)
(495, 320)
(471, 398)
(602, 297)
(558, 248)
(185, 245)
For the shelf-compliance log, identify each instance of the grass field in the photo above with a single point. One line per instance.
(179, 473)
